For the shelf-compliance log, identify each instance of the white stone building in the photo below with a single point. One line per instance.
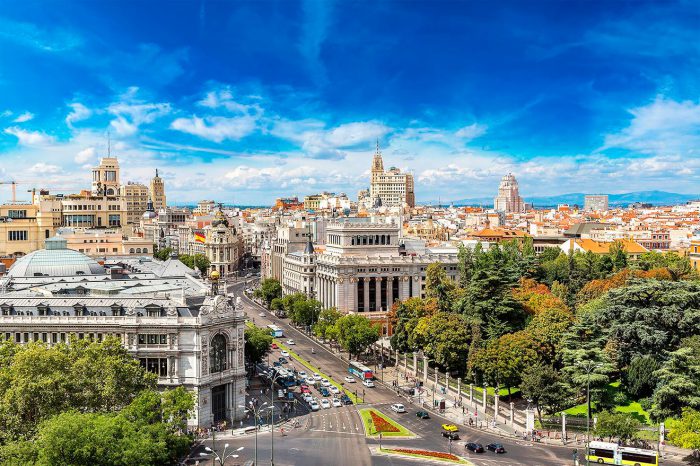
(390, 188)
(508, 199)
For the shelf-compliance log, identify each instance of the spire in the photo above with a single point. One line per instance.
(377, 162)
(378, 147)
(156, 173)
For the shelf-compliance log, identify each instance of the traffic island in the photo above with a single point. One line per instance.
(426, 455)
(377, 423)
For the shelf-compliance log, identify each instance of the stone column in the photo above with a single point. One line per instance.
(405, 363)
(459, 388)
(389, 293)
(415, 364)
(483, 400)
(366, 297)
(471, 393)
(403, 288)
(495, 406)
(563, 427)
(435, 384)
(425, 371)
(447, 381)
(512, 413)
(378, 294)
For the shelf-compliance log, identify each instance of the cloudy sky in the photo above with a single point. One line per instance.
(247, 101)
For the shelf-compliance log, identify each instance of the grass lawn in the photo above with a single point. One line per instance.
(631, 407)
(454, 459)
(371, 431)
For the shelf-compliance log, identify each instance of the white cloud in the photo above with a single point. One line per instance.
(223, 98)
(6, 113)
(85, 155)
(131, 112)
(664, 127)
(80, 112)
(42, 168)
(472, 131)
(217, 129)
(353, 134)
(26, 116)
(29, 138)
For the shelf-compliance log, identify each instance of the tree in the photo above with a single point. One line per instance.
(305, 312)
(404, 317)
(162, 254)
(438, 285)
(270, 289)
(542, 384)
(202, 263)
(324, 326)
(618, 255)
(640, 380)
(678, 381)
(445, 337)
(622, 426)
(685, 431)
(356, 333)
(465, 259)
(257, 343)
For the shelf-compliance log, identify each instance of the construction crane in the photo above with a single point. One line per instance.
(14, 189)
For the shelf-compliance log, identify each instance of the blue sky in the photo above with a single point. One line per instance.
(247, 101)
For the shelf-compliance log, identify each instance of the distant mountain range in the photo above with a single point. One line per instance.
(623, 199)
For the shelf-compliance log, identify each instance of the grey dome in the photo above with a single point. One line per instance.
(55, 261)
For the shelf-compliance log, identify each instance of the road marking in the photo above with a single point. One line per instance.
(333, 432)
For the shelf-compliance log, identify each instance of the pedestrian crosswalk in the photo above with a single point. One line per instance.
(339, 420)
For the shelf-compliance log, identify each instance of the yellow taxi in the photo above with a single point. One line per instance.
(450, 428)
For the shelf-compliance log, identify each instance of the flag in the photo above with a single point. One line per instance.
(199, 237)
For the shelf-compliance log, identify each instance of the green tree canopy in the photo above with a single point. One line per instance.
(257, 343)
(269, 289)
(678, 381)
(685, 431)
(542, 384)
(444, 337)
(325, 326)
(621, 426)
(356, 333)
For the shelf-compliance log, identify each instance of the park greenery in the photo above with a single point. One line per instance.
(258, 341)
(549, 324)
(194, 261)
(86, 403)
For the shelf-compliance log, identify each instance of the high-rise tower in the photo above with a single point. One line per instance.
(157, 192)
(390, 188)
(508, 199)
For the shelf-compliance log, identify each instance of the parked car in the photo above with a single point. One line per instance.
(450, 435)
(325, 404)
(495, 447)
(334, 390)
(349, 379)
(423, 415)
(336, 403)
(475, 447)
(368, 383)
(398, 408)
(285, 353)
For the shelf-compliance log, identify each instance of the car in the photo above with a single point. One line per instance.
(282, 360)
(310, 381)
(317, 376)
(450, 435)
(262, 314)
(495, 447)
(313, 404)
(285, 353)
(368, 383)
(450, 428)
(277, 364)
(324, 391)
(274, 346)
(307, 397)
(325, 404)
(305, 389)
(345, 400)
(334, 390)
(336, 403)
(291, 342)
(398, 408)
(349, 379)
(475, 447)
(302, 374)
(423, 415)
(325, 383)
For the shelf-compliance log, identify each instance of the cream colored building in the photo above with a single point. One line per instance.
(105, 242)
(223, 246)
(390, 188)
(157, 192)
(508, 199)
(136, 198)
(105, 177)
(24, 227)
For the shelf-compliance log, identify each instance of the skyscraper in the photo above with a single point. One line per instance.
(595, 202)
(390, 188)
(157, 192)
(508, 199)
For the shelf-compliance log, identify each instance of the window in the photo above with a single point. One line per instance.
(17, 213)
(638, 458)
(600, 453)
(217, 353)
(14, 235)
(114, 220)
(158, 366)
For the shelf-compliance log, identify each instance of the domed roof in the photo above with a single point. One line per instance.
(55, 261)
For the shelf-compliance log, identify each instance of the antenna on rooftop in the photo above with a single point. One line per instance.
(109, 145)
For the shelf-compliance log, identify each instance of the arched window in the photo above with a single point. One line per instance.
(131, 251)
(144, 250)
(138, 250)
(217, 354)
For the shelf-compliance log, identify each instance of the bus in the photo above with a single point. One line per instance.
(360, 371)
(612, 453)
(275, 331)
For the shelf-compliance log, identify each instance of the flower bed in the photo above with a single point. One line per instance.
(427, 454)
(381, 424)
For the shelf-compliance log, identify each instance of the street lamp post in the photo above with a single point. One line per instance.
(589, 367)
(256, 417)
(223, 457)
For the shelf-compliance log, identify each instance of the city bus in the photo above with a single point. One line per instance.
(612, 453)
(360, 371)
(275, 331)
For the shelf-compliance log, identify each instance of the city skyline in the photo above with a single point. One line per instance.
(248, 102)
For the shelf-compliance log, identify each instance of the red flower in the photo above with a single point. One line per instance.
(432, 454)
(381, 424)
